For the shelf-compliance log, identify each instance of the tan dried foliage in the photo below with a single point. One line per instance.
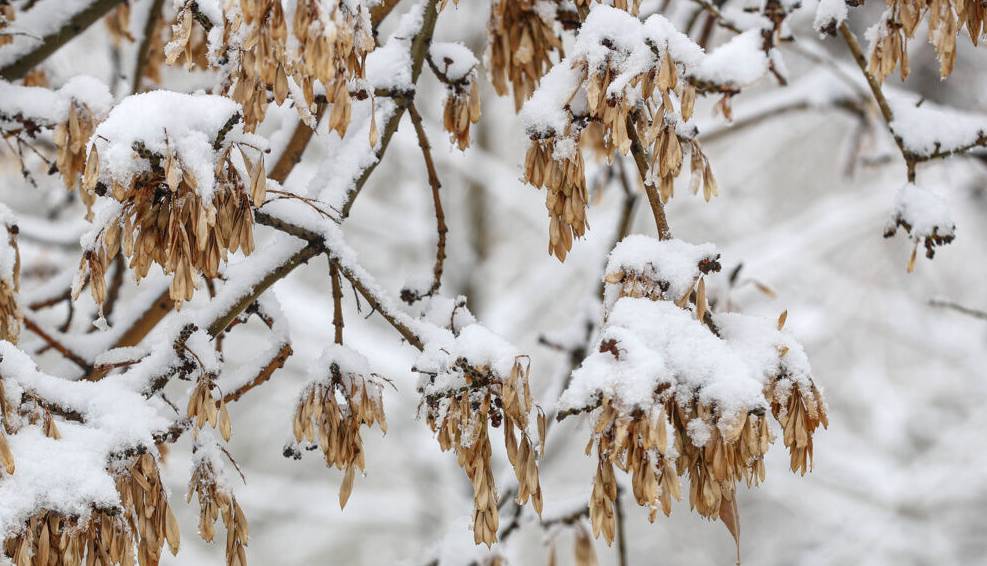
(461, 110)
(319, 418)
(204, 408)
(654, 446)
(214, 500)
(946, 20)
(164, 221)
(71, 137)
(108, 537)
(10, 313)
(668, 102)
(460, 420)
(566, 195)
(521, 44)
(332, 45)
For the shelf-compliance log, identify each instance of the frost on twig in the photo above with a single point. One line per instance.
(675, 389)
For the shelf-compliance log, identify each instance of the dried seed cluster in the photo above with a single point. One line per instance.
(164, 220)
(679, 430)
(71, 137)
(330, 413)
(107, 537)
(330, 44)
(204, 408)
(946, 20)
(521, 44)
(462, 108)
(559, 167)
(611, 93)
(460, 416)
(10, 314)
(214, 499)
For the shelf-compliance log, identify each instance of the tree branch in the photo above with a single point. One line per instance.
(153, 17)
(433, 182)
(882, 101)
(337, 302)
(53, 41)
(640, 159)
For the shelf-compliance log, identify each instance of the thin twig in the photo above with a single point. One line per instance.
(621, 535)
(62, 349)
(640, 159)
(150, 28)
(942, 303)
(882, 102)
(433, 182)
(337, 302)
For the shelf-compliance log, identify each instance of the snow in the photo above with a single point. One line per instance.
(674, 262)
(829, 15)
(735, 64)
(477, 346)
(924, 211)
(455, 60)
(657, 343)
(187, 124)
(610, 38)
(50, 107)
(69, 475)
(926, 128)
(42, 20)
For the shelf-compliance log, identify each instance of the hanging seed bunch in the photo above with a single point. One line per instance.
(188, 45)
(676, 390)
(146, 510)
(946, 20)
(924, 217)
(334, 39)
(187, 205)
(71, 138)
(343, 396)
(470, 381)
(53, 539)
(204, 408)
(622, 73)
(10, 276)
(107, 536)
(455, 65)
(520, 47)
(215, 499)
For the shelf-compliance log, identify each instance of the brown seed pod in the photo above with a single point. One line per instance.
(322, 420)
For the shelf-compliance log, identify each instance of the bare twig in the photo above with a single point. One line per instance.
(150, 25)
(882, 102)
(62, 349)
(949, 305)
(433, 182)
(640, 159)
(262, 376)
(419, 48)
(337, 302)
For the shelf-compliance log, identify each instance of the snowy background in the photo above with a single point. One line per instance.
(899, 476)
